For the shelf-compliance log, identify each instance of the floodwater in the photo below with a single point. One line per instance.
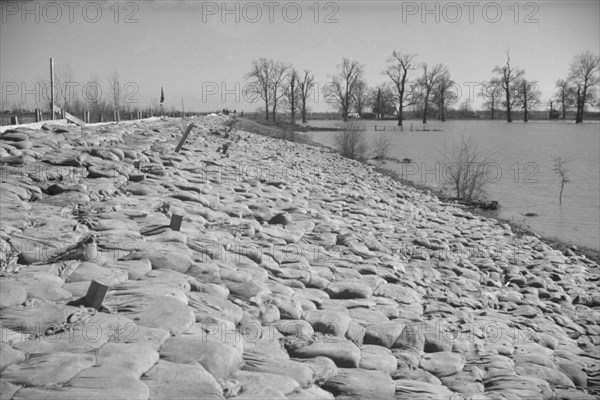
(520, 171)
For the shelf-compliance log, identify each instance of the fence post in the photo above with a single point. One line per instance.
(37, 115)
(139, 115)
(14, 120)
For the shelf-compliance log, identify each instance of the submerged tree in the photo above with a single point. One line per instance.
(565, 96)
(491, 92)
(351, 142)
(430, 78)
(361, 96)
(382, 100)
(344, 85)
(443, 95)
(509, 77)
(559, 168)
(528, 96)
(398, 69)
(465, 171)
(584, 76)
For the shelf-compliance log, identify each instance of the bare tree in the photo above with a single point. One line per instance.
(351, 142)
(491, 93)
(382, 100)
(65, 78)
(565, 95)
(343, 86)
(443, 95)
(305, 85)
(279, 74)
(382, 147)
(261, 76)
(465, 172)
(398, 68)
(427, 82)
(584, 75)
(361, 96)
(292, 94)
(559, 168)
(509, 76)
(528, 96)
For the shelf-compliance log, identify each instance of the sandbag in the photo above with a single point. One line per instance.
(167, 380)
(11, 293)
(154, 311)
(206, 305)
(48, 369)
(219, 359)
(343, 352)
(34, 317)
(361, 384)
(377, 358)
(328, 321)
(282, 383)
(9, 356)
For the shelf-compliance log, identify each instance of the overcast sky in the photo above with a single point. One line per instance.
(201, 50)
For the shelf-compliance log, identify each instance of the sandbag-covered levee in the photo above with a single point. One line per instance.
(295, 274)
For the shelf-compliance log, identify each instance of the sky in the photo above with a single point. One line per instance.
(200, 51)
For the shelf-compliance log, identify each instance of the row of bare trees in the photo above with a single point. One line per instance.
(417, 84)
(277, 83)
(77, 96)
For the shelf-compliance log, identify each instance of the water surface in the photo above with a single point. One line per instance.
(520, 171)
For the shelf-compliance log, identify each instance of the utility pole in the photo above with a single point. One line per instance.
(52, 87)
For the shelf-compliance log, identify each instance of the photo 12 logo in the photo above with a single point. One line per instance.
(469, 11)
(253, 12)
(53, 12)
(67, 92)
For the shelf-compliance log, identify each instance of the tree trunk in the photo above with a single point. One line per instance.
(579, 113)
(525, 101)
(267, 110)
(304, 112)
(400, 114)
(508, 113)
(425, 107)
